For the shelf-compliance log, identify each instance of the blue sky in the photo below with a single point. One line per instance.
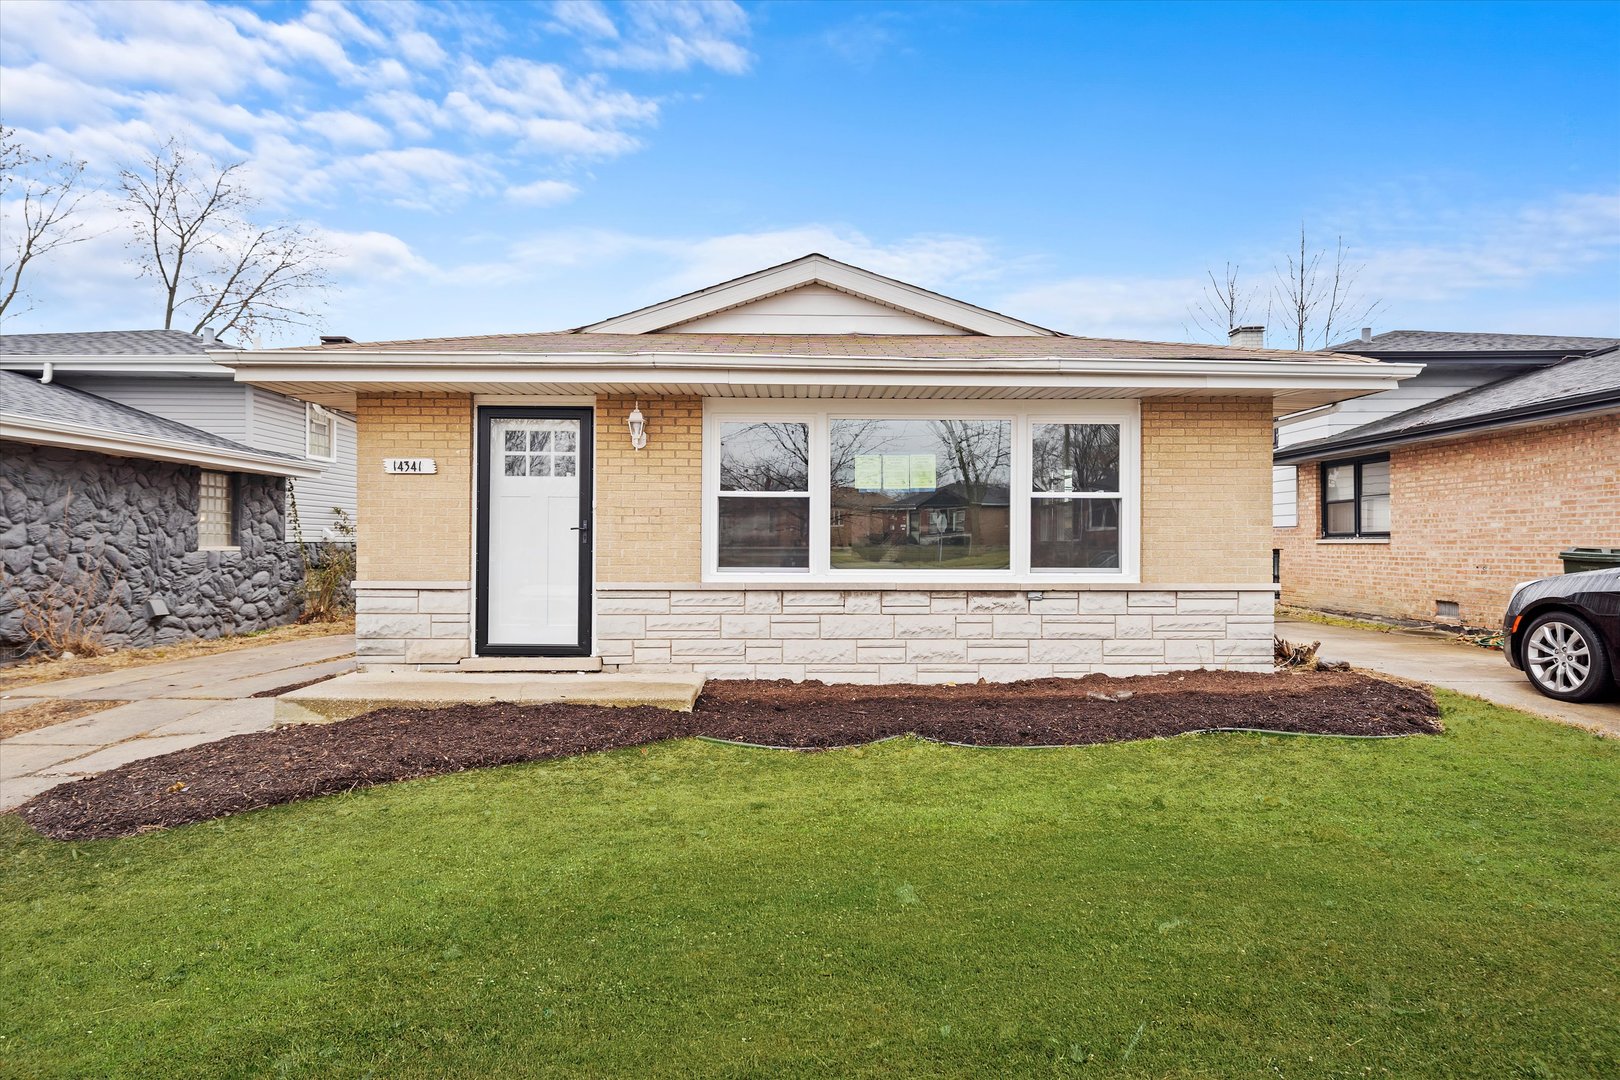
(528, 166)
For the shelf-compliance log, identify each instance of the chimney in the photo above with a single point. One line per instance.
(1366, 335)
(209, 337)
(1247, 337)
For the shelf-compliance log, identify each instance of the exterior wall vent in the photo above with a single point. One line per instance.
(1447, 609)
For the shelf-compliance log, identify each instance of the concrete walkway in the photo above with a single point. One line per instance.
(1463, 668)
(171, 706)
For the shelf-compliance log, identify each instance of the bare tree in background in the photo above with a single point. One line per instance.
(1225, 303)
(1316, 292)
(216, 267)
(50, 192)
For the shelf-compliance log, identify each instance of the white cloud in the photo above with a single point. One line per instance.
(110, 82)
(542, 193)
(671, 35)
(344, 129)
(1133, 307)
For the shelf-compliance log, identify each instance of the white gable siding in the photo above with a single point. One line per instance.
(813, 309)
(215, 405)
(1284, 496)
(278, 426)
(1432, 384)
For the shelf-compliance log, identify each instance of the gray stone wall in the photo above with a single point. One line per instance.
(102, 534)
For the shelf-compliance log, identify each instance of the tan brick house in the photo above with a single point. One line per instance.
(815, 471)
(1435, 512)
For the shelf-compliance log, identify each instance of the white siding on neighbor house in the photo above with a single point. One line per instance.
(216, 405)
(1284, 496)
(278, 426)
(1432, 384)
(813, 309)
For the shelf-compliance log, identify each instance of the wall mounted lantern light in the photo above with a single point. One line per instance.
(638, 428)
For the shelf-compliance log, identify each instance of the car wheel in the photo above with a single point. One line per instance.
(1564, 657)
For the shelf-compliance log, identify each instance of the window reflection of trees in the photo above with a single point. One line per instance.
(765, 457)
(1076, 457)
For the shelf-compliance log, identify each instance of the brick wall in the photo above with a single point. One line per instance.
(1469, 519)
(649, 502)
(415, 528)
(1206, 491)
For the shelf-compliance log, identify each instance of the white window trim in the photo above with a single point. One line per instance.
(818, 415)
(311, 412)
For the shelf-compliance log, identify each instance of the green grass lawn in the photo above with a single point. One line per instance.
(1212, 906)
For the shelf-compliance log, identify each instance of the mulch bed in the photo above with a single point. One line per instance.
(246, 772)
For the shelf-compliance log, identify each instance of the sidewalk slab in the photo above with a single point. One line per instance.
(125, 752)
(156, 680)
(19, 761)
(8, 702)
(1467, 669)
(352, 695)
(19, 789)
(109, 725)
(224, 718)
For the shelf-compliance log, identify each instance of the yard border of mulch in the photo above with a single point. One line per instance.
(258, 770)
(718, 741)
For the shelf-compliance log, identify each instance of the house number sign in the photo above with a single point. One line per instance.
(419, 466)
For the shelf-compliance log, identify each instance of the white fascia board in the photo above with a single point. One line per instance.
(121, 365)
(688, 368)
(41, 432)
(808, 271)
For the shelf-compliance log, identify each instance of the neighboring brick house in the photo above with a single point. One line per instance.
(1435, 512)
(674, 488)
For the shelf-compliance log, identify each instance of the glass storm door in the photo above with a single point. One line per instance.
(534, 532)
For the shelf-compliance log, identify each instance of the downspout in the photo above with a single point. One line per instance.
(47, 373)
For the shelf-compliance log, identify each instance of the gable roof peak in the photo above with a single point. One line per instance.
(816, 268)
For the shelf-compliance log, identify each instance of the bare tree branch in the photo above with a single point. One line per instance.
(193, 234)
(45, 220)
(1314, 299)
(1224, 304)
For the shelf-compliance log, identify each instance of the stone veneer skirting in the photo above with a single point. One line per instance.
(859, 635)
(412, 623)
(935, 635)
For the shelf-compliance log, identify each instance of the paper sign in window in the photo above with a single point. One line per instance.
(868, 472)
(921, 472)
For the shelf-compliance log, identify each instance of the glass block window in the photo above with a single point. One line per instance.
(216, 511)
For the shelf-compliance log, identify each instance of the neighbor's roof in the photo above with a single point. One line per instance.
(1448, 341)
(105, 343)
(1586, 384)
(48, 413)
(896, 346)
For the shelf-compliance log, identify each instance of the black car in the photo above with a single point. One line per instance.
(1564, 633)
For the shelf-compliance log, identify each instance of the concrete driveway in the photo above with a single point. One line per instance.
(1466, 669)
(171, 706)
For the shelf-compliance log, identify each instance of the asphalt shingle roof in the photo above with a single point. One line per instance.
(1595, 377)
(25, 396)
(1446, 341)
(104, 343)
(904, 346)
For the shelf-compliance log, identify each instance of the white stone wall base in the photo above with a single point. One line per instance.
(412, 625)
(932, 636)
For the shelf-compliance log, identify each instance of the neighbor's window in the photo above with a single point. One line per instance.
(320, 433)
(764, 512)
(1355, 498)
(920, 494)
(1074, 497)
(216, 511)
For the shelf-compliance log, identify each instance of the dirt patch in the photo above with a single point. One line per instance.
(52, 711)
(250, 771)
(29, 672)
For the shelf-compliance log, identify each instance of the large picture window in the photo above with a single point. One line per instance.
(922, 491)
(1355, 498)
(919, 494)
(764, 504)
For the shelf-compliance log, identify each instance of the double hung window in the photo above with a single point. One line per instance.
(1355, 498)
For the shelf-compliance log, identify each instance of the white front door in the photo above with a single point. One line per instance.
(534, 549)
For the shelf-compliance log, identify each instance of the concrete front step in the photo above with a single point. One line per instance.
(531, 663)
(351, 695)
